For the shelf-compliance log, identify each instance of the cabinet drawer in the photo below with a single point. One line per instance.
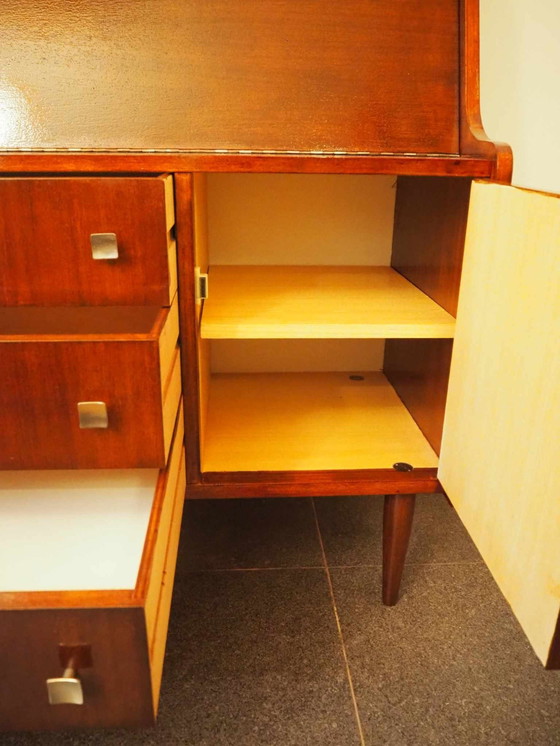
(53, 240)
(87, 561)
(88, 387)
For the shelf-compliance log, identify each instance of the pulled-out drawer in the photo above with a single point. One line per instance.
(87, 561)
(86, 388)
(87, 241)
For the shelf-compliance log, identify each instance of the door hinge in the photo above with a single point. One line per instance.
(201, 284)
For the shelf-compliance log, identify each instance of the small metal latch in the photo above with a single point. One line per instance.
(92, 414)
(201, 284)
(402, 466)
(104, 245)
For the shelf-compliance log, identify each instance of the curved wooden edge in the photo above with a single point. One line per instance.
(223, 485)
(473, 140)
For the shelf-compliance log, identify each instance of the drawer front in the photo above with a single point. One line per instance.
(57, 248)
(92, 401)
(116, 686)
(121, 632)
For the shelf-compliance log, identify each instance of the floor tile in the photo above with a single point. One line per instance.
(253, 659)
(447, 665)
(233, 534)
(352, 531)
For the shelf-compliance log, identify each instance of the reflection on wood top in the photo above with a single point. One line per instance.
(358, 76)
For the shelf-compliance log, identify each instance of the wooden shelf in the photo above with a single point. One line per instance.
(301, 421)
(286, 302)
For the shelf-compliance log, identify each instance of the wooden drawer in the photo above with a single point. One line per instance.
(46, 254)
(87, 562)
(53, 360)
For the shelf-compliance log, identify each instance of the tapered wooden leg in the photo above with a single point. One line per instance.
(397, 524)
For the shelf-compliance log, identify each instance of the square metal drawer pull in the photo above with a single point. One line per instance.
(104, 246)
(93, 414)
(66, 690)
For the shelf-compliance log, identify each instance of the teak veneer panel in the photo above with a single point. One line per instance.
(247, 302)
(499, 458)
(45, 376)
(379, 76)
(300, 421)
(45, 251)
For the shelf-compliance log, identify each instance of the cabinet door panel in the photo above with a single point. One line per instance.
(499, 462)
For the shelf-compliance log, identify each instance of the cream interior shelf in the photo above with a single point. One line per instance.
(287, 302)
(300, 421)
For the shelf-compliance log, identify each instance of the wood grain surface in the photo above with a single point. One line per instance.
(45, 251)
(304, 421)
(356, 76)
(499, 457)
(289, 302)
(44, 377)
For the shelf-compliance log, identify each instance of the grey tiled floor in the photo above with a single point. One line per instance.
(278, 637)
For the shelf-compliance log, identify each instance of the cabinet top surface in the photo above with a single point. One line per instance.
(221, 76)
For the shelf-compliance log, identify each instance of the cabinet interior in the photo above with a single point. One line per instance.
(323, 320)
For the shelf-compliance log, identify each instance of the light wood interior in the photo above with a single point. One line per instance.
(301, 421)
(300, 282)
(275, 302)
(162, 520)
(499, 459)
(294, 355)
(300, 219)
(159, 639)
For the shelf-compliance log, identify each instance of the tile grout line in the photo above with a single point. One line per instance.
(338, 626)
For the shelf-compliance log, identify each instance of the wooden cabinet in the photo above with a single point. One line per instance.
(319, 362)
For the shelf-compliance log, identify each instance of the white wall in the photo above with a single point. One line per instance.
(520, 85)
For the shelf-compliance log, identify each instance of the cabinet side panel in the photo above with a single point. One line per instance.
(429, 234)
(499, 459)
(418, 369)
(188, 320)
(430, 225)
(116, 687)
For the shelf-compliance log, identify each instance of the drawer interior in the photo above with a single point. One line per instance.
(73, 530)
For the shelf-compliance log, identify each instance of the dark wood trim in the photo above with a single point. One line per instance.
(477, 166)
(222, 485)
(398, 514)
(553, 662)
(17, 600)
(428, 243)
(473, 139)
(187, 322)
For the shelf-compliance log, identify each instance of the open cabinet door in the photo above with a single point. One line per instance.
(500, 459)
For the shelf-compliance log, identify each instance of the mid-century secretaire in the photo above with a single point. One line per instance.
(242, 226)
